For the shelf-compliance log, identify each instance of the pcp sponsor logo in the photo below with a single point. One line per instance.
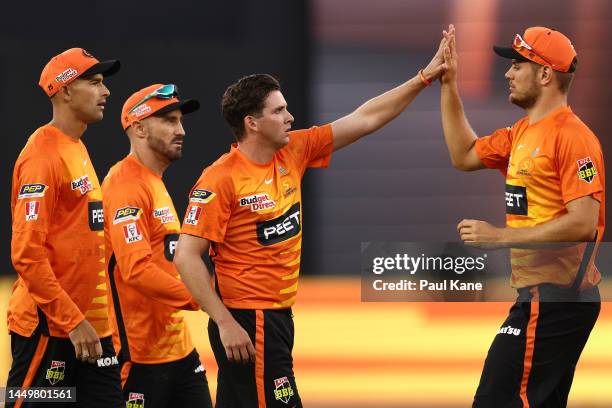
(31, 210)
(258, 202)
(586, 170)
(193, 215)
(283, 390)
(516, 200)
(32, 190)
(199, 195)
(82, 184)
(126, 214)
(66, 75)
(135, 400)
(281, 228)
(165, 215)
(170, 242)
(107, 361)
(131, 233)
(55, 373)
(96, 215)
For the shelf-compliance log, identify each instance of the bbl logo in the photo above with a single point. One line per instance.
(135, 400)
(283, 390)
(55, 374)
(586, 170)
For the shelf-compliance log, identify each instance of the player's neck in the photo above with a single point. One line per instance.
(150, 159)
(68, 123)
(546, 104)
(259, 153)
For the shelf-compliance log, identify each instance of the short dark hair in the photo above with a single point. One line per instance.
(246, 97)
(564, 79)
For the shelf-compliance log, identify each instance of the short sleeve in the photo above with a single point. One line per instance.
(494, 149)
(580, 164)
(37, 185)
(126, 206)
(312, 147)
(209, 207)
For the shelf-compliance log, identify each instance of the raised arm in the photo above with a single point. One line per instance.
(459, 136)
(382, 109)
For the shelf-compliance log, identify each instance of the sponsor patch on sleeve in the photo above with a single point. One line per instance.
(586, 170)
(31, 210)
(131, 233)
(200, 195)
(126, 214)
(165, 215)
(32, 190)
(193, 215)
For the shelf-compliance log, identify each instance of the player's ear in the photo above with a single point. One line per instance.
(250, 123)
(139, 129)
(545, 75)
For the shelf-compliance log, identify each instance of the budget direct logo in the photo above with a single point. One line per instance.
(66, 75)
(126, 214)
(200, 195)
(164, 215)
(82, 184)
(258, 202)
(32, 190)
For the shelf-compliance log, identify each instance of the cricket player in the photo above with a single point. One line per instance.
(58, 312)
(160, 366)
(555, 192)
(246, 210)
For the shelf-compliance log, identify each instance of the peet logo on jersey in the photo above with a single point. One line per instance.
(281, 228)
(193, 215)
(170, 242)
(165, 215)
(82, 184)
(516, 200)
(586, 170)
(258, 202)
(96, 215)
(199, 195)
(283, 390)
(32, 190)
(131, 233)
(126, 214)
(135, 400)
(55, 373)
(31, 210)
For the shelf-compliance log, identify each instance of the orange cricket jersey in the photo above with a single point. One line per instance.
(57, 244)
(547, 164)
(252, 214)
(141, 232)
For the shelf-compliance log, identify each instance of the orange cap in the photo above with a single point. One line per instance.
(153, 105)
(71, 64)
(543, 46)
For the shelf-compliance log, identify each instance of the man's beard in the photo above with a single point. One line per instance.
(157, 145)
(529, 98)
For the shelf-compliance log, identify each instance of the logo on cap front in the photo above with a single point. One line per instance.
(141, 110)
(67, 75)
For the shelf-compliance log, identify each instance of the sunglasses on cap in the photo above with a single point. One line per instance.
(519, 43)
(165, 92)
